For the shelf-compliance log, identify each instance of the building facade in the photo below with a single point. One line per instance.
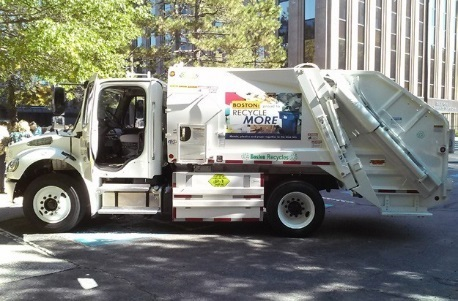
(414, 42)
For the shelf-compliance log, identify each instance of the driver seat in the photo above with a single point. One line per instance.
(129, 145)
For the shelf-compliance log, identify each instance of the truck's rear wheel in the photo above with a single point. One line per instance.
(52, 204)
(295, 209)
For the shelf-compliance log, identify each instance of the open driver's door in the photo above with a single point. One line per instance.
(87, 143)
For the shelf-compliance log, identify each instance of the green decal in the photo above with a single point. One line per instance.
(219, 180)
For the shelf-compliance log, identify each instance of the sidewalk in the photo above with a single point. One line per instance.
(453, 158)
(9, 210)
(20, 259)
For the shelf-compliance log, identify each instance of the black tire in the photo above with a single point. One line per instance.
(295, 209)
(52, 204)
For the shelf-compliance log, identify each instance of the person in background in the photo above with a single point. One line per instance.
(35, 129)
(4, 140)
(20, 131)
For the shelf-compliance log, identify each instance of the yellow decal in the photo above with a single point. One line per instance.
(219, 180)
(253, 105)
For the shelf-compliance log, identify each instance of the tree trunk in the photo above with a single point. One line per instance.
(10, 99)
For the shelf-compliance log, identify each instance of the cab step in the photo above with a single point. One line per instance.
(129, 199)
(123, 187)
(124, 210)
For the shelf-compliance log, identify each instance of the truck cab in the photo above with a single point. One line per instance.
(113, 154)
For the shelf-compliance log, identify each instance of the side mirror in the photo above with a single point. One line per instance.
(58, 101)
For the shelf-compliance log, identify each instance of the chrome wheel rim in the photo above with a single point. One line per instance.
(51, 204)
(296, 210)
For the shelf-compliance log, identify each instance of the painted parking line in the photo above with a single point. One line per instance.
(338, 200)
(101, 239)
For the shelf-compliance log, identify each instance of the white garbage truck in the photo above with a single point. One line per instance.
(229, 144)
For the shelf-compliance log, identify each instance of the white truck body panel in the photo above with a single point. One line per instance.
(217, 197)
(372, 135)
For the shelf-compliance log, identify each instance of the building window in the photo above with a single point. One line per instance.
(432, 47)
(453, 58)
(444, 49)
(420, 45)
(454, 76)
(309, 30)
(408, 26)
(342, 34)
(394, 35)
(284, 17)
(378, 35)
(361, 33)
(139, 42)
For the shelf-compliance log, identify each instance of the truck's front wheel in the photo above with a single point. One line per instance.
(52, 204)
(295, 209)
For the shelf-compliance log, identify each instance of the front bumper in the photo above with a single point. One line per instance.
(9, 189)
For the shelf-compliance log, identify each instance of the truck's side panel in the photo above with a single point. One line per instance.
(217, 197)
(372, 135)
(405, 155)
(247, 116)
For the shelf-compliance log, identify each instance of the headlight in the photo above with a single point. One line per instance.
(13, 165)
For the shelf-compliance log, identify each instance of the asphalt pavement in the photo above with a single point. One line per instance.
(453, 157)
(24, 264)
(33, 261)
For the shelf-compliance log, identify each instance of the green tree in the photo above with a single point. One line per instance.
(237, 33)
(64, 40)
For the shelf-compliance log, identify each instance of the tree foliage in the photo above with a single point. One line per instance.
(65, 40)
(237, 33)
(51, 41)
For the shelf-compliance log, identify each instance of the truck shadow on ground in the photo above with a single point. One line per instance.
(335, 226)
(352, 256)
